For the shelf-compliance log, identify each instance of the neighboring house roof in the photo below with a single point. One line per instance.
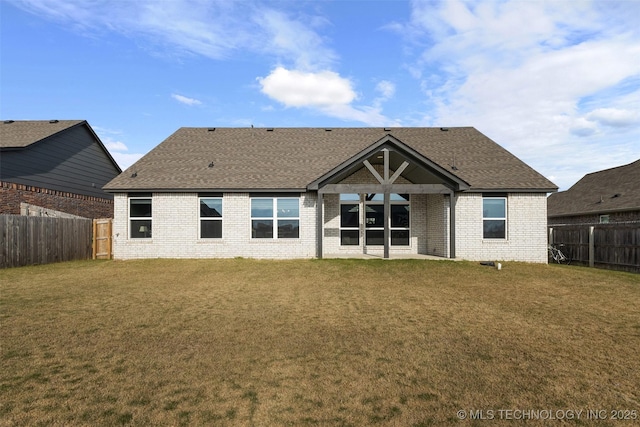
(606, 191)
(293, 158)
(22, 133)
(60, 155)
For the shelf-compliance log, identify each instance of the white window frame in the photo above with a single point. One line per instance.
(142, 218)
(505, 218)
(275, 218)
(604, 219)
(208, 218)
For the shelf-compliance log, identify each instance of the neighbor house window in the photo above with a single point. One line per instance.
(275, 218)
(494, 217)
(140, 217)
(399, 221)
(349, 219)
(604, 219)
(210, 217)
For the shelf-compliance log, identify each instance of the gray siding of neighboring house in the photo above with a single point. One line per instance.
(71, 161)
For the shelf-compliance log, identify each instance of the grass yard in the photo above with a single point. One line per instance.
(315, 342)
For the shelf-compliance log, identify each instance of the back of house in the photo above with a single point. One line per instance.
(326, 192)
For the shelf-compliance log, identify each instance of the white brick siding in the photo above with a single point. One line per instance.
(176, 220)
(526, 229)
(175, 224)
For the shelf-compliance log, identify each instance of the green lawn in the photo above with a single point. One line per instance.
(314, 342)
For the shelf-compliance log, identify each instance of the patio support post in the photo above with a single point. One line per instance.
(319, 224)
(452, 225)
(387, 220)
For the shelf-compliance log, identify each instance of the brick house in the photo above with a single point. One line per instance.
(55, 168)
(312, 192)
(606, 196)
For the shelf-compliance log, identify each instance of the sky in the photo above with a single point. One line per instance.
(557, 83)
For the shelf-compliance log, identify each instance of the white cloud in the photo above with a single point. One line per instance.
(115, 146)
(299, 89)
(614, 117)
(324, 91)
(185, 100)
(532, 75)
(213, 29)
(386, 89)
(294, 40)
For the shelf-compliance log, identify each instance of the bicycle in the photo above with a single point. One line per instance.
(557, 255)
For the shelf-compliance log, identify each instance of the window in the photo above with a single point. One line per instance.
(399, 220)
(140, 217)
(275, 218)
(210, 217)
(494, 217)
(604, 219)
(349, 219)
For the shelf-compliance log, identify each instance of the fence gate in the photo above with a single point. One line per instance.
(102, 238)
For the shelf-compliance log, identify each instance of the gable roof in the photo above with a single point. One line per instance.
(292, 158)
(22, 133)
(609, 190)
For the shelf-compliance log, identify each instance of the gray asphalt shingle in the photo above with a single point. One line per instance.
(292, 158)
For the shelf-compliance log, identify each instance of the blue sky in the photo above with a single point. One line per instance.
(557, 83)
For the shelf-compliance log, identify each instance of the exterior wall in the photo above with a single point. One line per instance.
(438, 225)
(13, 195)
(526, 229)
(595, 218)
(175, 220)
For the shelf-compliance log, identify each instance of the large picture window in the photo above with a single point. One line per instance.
(277, 217)
(210, 217)
(399, 220)
(140, 218)
(494, 217)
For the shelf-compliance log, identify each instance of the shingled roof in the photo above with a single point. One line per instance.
(292, 158)
(16, 134)
(606, 191)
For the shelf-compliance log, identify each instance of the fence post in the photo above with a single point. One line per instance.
(551, 235)
(94, 242)
(592, 251)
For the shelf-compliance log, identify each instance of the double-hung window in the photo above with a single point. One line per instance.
(494, 217)
(210, 217)
(140, 218)
(275, 217)
(349, 219)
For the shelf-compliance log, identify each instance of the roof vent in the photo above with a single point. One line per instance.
(133, 175)
(387, 129)
(54, 121)
(269, 129)
(444, 129)
(211, 164)
(616, 195)
(211, 129)
(328, 130)
(8, 122)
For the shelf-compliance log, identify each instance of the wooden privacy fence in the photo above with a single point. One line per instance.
(28, 240)
(614, 246)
